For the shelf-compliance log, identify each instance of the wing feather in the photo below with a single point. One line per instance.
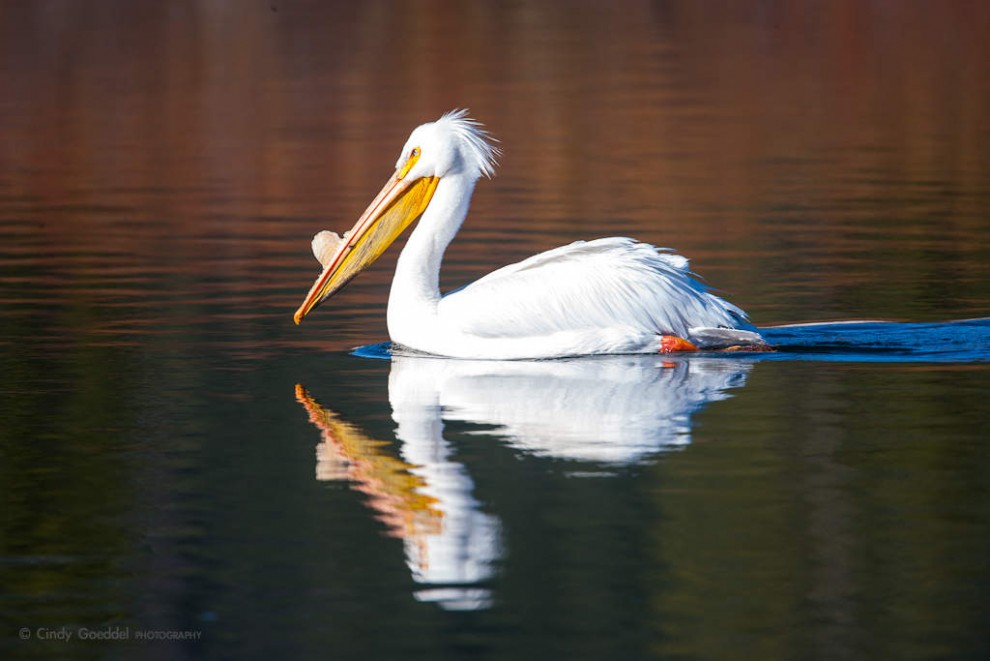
(606, 283)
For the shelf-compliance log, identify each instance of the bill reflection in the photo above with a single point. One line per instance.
(597, 413)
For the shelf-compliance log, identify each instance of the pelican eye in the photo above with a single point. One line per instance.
(410, 162)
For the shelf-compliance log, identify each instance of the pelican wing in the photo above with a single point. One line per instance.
(606, 283)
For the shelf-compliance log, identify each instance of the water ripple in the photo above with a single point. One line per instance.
(963, 341)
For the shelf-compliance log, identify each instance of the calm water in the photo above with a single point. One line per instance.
(177, 456)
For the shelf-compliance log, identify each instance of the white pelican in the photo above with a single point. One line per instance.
(612, 295)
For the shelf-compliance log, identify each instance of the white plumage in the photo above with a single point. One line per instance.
(612, 295)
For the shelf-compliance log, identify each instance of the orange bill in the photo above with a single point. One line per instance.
(400, 202)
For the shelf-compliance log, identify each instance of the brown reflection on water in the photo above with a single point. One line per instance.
(168, 162)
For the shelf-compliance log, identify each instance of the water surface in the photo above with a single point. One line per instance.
(176, 455)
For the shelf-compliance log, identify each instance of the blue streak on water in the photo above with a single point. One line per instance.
(966, 341)
(380, 351)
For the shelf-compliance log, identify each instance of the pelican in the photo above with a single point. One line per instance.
(606, 296)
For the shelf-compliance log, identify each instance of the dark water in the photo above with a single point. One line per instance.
(176, 456)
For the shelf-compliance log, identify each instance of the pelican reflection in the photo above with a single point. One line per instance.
(603, 409)
(597, 413)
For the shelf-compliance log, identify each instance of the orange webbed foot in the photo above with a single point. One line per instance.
(672, 343)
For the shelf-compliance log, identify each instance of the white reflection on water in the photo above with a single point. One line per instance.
(610, 409)
(597, 412)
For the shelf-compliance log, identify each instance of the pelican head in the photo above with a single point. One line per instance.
(454, 145)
